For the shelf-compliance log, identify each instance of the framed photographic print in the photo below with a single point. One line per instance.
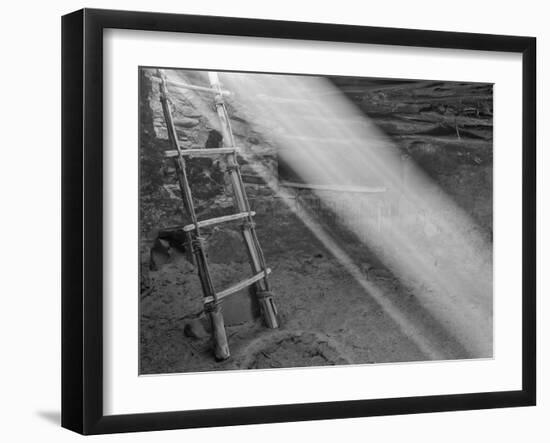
(271, 221)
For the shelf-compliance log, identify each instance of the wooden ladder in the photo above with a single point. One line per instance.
(212, 299)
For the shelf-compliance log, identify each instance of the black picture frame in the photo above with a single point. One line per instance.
(82, 216)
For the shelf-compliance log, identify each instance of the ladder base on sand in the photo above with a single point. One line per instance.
(213, 299)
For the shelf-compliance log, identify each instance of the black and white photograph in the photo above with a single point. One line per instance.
(275, 222)
(306, 221)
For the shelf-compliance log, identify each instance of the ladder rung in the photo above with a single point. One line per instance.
(185, 144)
(192, 87)
(201, 152)
(218, 220)
(241, 285)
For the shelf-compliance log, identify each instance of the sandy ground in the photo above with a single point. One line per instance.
(326, 316)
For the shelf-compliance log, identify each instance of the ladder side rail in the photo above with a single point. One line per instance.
(204, 273)
(257, 260)
(221, 347)
(179, 164)
(256, 253)
(241, 201)
(180, 160)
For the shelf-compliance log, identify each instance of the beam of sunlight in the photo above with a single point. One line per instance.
(427, 241)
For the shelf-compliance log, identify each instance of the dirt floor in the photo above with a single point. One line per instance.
(326, 316)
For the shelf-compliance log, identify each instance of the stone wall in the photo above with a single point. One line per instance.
(446, 128)
(443, 127)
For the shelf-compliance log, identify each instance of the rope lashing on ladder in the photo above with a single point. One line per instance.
(264, 295)
(249, 224)
(210, 307)
(198, 243)
(233, 167)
